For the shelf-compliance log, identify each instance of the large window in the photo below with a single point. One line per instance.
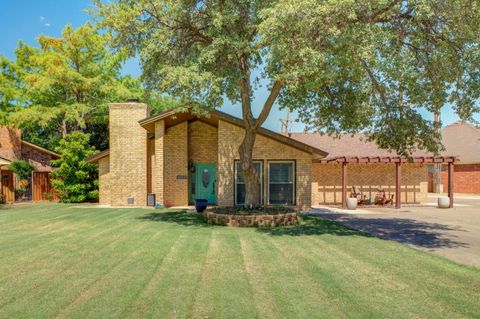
(281, 183)
(240, 182)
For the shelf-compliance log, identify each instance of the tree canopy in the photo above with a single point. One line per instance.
(345, 66)
(68, 82)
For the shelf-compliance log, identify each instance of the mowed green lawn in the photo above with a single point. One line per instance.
(60, 261)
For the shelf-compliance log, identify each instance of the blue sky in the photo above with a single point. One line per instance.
(27, 19)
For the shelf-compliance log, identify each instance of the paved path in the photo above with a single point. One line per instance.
(453, 233)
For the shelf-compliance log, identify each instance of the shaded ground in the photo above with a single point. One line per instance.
(59, 261)
(453, 233)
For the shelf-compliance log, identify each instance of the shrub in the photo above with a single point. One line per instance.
(22, 169)
(73, 178)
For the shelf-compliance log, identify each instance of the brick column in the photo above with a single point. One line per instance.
(159, 172)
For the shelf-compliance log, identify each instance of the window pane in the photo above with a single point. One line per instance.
(281, 194)
(281, 173)
(239, 180)
(281, 183)
(240, 193)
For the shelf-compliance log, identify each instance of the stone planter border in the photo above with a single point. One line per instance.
(237, 220)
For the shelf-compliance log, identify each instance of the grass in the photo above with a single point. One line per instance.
(61, 261)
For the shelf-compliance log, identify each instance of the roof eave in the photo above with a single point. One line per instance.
(95, 158)
(41, 149)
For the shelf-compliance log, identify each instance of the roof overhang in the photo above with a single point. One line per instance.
(389, 159)
(95, 158)
(4, 161)
(176, 116)
(41, 149)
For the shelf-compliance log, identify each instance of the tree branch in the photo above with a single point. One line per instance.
(375, 83)
(277, 86)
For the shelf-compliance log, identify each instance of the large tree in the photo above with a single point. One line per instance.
(346, 66)
(67, 83)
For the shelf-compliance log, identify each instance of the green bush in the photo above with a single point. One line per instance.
(22, 169)
(73, 178)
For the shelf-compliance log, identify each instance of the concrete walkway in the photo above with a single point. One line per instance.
(453, 233)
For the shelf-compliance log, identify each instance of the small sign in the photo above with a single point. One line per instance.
(181, 176)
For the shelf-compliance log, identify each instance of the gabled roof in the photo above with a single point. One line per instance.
(173, 117)
(40, 149)
(463, 140)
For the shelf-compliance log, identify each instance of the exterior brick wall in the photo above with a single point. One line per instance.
(176, 165)
(202, 142)
(128, 153)
(230, 137)
(10, 143)
(327, 181)
(466, 178)
(104, 180)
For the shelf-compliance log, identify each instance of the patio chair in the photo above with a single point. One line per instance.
(355, 193)
(382, 199)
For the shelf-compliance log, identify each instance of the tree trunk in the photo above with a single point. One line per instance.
(64, 129)
(252, 193)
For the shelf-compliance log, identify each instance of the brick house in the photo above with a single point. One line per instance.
(463, 140)
(182, 156)
(179, 156)
(13, 148)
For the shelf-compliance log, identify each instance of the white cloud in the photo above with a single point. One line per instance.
(42, 18)
(47, 24)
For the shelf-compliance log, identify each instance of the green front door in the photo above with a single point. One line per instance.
(203, 182)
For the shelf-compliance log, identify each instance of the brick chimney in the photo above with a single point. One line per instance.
(128, 153)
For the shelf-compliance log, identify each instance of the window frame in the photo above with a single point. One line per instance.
(294, 190)
(235, 162)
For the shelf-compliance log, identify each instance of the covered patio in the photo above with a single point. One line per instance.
(345, 161)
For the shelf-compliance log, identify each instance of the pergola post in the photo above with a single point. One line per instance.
(344, 184)
(398, 183)
(450, 183)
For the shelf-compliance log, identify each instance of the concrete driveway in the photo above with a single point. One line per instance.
(453, 233)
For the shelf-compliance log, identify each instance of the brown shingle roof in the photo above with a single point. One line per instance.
(346, 145)
(463, 140)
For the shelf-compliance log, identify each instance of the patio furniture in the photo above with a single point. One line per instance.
(355, 193)
(382, 199)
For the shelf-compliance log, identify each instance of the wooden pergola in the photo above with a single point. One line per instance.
(398, 161)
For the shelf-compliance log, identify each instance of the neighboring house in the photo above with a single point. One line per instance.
(463, 140)
(368, 176)
(12, 148)
(179, 157)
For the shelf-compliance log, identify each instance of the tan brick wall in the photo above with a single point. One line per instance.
(128, 153)
(229, 138)
(202, 142)
(327, 181)
(176, 165)
(158, 162)
(104, 180)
